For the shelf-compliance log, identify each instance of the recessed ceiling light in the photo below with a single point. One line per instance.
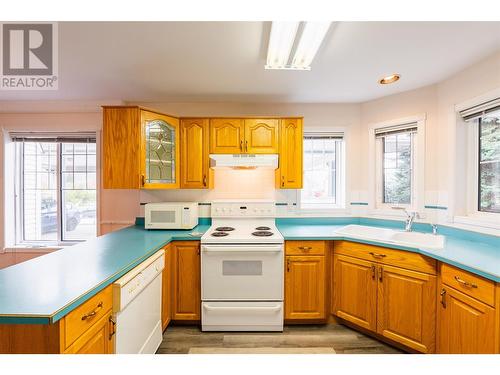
(306, 37)
(389, 79)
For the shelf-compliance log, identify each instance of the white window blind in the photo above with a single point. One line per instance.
(324, 135)
(54, 137)
(389, 130)
(480, 110)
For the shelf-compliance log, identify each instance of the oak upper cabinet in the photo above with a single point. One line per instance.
(140, 149)
(289, 173)
(261, 136)
(305, 280)
(226, 136)
(244, 136)
(186, 283)
(407, 307)
(195, 162)
(166, 288)
(468, 313)
(355, 291)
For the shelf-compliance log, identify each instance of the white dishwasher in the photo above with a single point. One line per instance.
(137, 307)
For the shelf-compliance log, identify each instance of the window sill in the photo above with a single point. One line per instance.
(477, 223)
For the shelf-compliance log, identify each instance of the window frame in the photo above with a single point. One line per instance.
(380, 177)
(19, 199)
(375, 163)
(340, 176)
(472, 192)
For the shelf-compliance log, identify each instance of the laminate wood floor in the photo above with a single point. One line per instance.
(306, 339)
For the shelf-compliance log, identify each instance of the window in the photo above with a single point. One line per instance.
(479, 199)
(323, 171)
(489, 163)
(395, 165)
(55, 189)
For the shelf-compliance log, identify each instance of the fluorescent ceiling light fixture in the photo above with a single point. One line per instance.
(286, 35)
(280, 44)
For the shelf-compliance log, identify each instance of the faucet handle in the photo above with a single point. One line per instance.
(434, 228)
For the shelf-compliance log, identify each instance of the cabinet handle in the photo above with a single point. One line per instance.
(143, 179)
(465, 283)
(380, 274)
(113, 327)
(443, 297)
(246, 146)
(305, 248)
(283, 181)
(377, 255)
(93, 312)
(373, 271)
(288, 265)
(241, 146)
(204, 180)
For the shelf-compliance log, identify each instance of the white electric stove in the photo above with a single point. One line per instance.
(242, 268)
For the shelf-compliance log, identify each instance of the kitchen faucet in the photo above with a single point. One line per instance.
(410, 217)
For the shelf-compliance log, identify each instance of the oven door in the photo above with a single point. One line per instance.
(242, 272)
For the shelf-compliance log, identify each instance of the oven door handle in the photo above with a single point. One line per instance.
(236, 249)
(242, 308)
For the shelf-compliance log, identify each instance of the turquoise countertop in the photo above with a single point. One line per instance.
(470, 251)
(44, 289)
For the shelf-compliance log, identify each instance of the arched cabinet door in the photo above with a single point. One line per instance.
(261, 136)
(160, 151)
(289, 174)
(195, 162)
(226, 136)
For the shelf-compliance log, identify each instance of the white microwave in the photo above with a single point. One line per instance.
(171, 215)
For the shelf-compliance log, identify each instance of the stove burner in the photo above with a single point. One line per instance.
(224, 229)
(219, 234)
(262, 228)
(262, 233)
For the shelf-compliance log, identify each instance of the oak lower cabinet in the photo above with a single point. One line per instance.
(88, 329)
(394, 302)
(166, 289)
(94, 341)
(186, 280)
(406, 307)
(468, 313)
(355, 291)
(305, 281)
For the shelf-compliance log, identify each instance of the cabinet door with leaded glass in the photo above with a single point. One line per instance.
(160, 150)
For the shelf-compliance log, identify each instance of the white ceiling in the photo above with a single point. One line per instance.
(224, 61)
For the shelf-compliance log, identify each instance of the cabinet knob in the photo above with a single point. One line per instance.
(204, 180)
(246, 146)
(143, 179)
(241, 145)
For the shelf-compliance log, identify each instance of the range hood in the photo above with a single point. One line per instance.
(243, 161)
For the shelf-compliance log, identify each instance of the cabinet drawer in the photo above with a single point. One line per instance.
(468, 283)
(86, 315)
(305, 248)
(392, 257)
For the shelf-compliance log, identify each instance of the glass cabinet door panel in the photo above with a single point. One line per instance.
(160, 152)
